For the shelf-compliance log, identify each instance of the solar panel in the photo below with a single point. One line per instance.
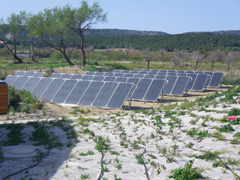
(41, 87)
(86, 77)
(133, 80)
(141, 89)
(20, 82)
(77, 92)
(153, 72)
(149, 76)
(110, 78)
(119, 95)
(162, 71)
(170, 83)
(180, 86)
(172, 71)
(118, 74)
(98, 78)
(66, 76)
(125, 71)
(160, 76)
(108, 74)
(128, 75)
(191, 81)
(200, 82)
(143, 72)
(99, 74)
(52, 89)
(216, 80)
(209, 77)
(20, 73)
(117, 71)
(29, 74)
(31, 83)
(56, 75)
(90, 73)
(91, 93)
(121, 79)
(39, 74)
(76, 76)
(105, 94)
(139, 75)
(10, 79)
(154, 90)
(182, 72)
(64, 91)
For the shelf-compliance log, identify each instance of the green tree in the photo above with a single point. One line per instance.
(50, 26)
(83, 18)
(10, 32)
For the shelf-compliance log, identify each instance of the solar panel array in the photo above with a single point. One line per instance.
(74, 91)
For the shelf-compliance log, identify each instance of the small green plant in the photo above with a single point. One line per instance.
(226, 128)
(209, 156)
(85, 176)
(139, 158)
(190, 145)
(89, 153)
(14, 134)
(187, 172)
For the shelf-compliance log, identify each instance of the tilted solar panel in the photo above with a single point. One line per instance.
(154, 90)
(41, 87)
(29, 74)
(55, 75)
(216, 80)
(10, 79)
(121, 79)
(180, 85)
(77, 92)
(52, 89)
(39, 74)
(105, 94)
(109, 78)
(20, 82)
(119, 95)
(91, 93)
(98, 78)
(66, 76)
(76, 76)
(141, 90)
(20, 73)
(200, 82)
(64, 91)
(170, 83)
(31, 83)
(192, 80)
(86, 77)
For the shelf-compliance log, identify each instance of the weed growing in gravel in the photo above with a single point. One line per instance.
(14, 134)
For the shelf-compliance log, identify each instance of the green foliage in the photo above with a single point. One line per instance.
(139, 158)
(85, 176)
(23, 101)
(14, 135)
(234, 111)
(102, 144)
(226, 128)
(209, 156)
(186, 173)
(89, 153)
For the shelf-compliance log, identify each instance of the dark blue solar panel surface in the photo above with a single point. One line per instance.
(41, 87)
(29, 74)
(161, 77)
(64, 91)
(110, 78)
(56, 75)
(105, 94)
(86, 77)
(209, 77)
(20, 82)
(98, 78)
(199, 83)
(76, 76)
(119, 96)
(139, 75)
(154, 90)
(133, 80)
(77, 92)
(99, 74)
(20, 73)
(89, 73)
(169, 86)
(180, 86)
(10, 80)
(52, 89)
(91, 93)
(150, 76)
(121, 79)
(118, 74)
(108, 74)
(191, 81)
(31, 83)
(141, 89)
(66, 76)
(39, 74)
(128, 75)
(216, 80)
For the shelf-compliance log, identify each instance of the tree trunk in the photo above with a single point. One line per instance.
(148, 64)
(196, 66)
(66, 57)
(228, 67)
(174, 67)
(32, 50)
(83, 51)
(212, 66)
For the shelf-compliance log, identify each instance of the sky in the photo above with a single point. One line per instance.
(170, 16)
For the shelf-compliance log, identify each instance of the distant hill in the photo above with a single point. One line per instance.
(228, 32)
(120, 32)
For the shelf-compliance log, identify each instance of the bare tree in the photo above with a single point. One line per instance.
(197, 57)
(88, 50)
(215, 56)
(230, 58)
(177, 59)
(162, 52)
(127, 50)
(148, 56)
